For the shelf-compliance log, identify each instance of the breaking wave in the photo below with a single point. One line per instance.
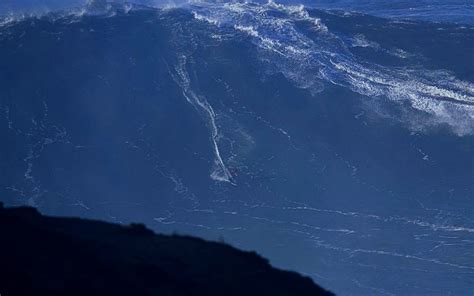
(301, 47)
(291, 41)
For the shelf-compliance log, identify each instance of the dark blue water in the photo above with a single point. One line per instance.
(460, 11)
(337, 144)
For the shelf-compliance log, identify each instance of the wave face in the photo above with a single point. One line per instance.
(336, 144)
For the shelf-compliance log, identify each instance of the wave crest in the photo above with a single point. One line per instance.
(310, 58)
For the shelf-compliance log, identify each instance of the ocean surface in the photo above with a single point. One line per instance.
(335, 138)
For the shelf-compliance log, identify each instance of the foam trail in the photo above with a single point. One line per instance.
(220, 171)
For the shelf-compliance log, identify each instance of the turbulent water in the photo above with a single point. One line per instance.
(337, 144)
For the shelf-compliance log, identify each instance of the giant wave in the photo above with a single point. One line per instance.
(286, 129)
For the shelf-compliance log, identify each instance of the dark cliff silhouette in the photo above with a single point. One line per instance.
(43, 255)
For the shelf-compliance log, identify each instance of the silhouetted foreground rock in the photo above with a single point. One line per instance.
(43, 255)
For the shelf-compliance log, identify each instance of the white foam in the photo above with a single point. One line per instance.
(360, 40)
(299, 11)
(204, 18)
